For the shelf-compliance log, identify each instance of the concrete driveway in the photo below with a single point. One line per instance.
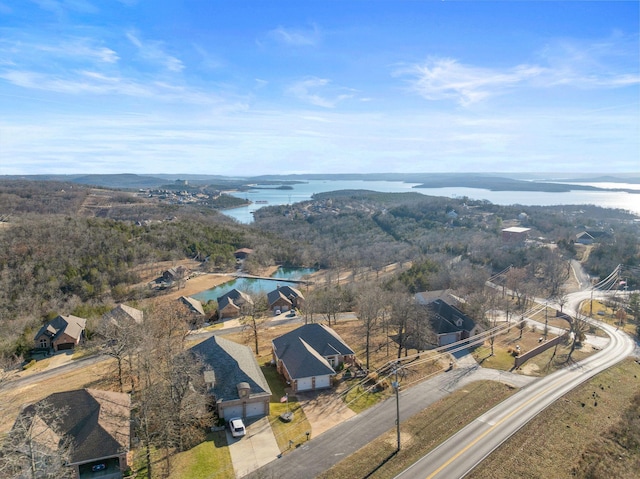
(257, 448)
(324, 409)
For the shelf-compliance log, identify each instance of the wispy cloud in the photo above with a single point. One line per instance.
(153, 51)
(604, 64)
(296, 36)
(446, 78)
(318, 92)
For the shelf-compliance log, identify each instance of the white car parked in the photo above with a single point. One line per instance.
(237, 427)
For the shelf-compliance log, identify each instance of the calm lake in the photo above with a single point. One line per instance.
(304, 191)
(257, 286)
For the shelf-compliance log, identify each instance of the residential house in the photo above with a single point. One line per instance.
(234, 378)
(192, 304)
(591, 236)
(230, 304)
(308, 355)
(449, 323)
(97, 422)
(178, 273)
(284, 298)
(123, 314)
(61, 333)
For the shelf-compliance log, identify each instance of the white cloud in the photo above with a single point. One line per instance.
(318, 92)
(606, 64)
(153, 51)
(296, 37)
(445, 78)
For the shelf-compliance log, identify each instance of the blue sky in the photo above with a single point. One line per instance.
(336, 86)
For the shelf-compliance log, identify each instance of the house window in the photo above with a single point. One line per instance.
(43, 343)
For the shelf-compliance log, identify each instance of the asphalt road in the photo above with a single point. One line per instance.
(462, 452)
(322, 452)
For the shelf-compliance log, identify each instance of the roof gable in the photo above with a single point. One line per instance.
(72, 326)
(232, 364)
(98, 422)
(447, 319)
(303, 350)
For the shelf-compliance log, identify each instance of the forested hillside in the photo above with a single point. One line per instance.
(70, 249)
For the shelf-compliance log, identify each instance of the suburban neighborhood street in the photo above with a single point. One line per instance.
(322, 452)
(462, 452)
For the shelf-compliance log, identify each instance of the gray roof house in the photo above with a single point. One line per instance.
(449, 323)
(231, 303)
(234, 378)
(308, 355)
(284, 298)
(98, 424)
(62, 332)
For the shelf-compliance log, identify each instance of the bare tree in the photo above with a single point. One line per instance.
(253, 314)
(578, 330)
(119, 340)
(36, 448)
(370, 304)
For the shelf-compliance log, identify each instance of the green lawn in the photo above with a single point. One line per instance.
(208, 459)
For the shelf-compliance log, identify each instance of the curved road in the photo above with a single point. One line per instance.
(462, 452)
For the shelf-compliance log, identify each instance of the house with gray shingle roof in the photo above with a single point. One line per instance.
(231, 303)
(62, 332)
(284, 298)
(193, 304)
(234, 378)
(307, 356)
(97, 422)
(449, 323)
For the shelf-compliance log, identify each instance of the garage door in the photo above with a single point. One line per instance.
(448, 338)
(322, 382)
(232, 411)
(304, 384)
(255, 409)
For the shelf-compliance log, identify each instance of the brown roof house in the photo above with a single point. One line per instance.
(96, 423)
(61, 333)
(123, 314)
(231, 303)
(307, 356)
(234, 378)
(284, 298)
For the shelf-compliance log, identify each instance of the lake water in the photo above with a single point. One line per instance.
(304, 191)
(256, 286)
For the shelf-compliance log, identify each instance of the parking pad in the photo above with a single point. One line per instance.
(252, 451)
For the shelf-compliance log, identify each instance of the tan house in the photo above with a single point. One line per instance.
(234, 378)
(123, 314)
(97, 422)
(192, 304)
(230, 304)
(61, 333)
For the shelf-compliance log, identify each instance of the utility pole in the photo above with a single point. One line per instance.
(396, 386)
